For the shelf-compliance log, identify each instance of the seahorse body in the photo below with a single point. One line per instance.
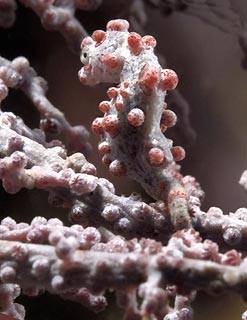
(135, 118)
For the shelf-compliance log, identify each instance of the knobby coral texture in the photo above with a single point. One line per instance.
(154, 255)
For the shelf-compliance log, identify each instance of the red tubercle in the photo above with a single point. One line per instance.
(177, 194)
(112, 92)
(86, 42)
(148, 79)
(118, 105)
(97, 126)
(126, 84)
(104, 148)
(156, 156)
(169, 79)
(168, 118)
(136, 117)
(111, 60)
(99, 36)
(135, 43)
(106, 160)
(110, 125)
(117, 168)
(178, 153)
(124, 93)
(104, 106)
(117, 25)
(149, 41)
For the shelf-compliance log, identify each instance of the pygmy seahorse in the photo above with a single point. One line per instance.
(135, 119)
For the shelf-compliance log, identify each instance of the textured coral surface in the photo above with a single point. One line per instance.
(75, 238)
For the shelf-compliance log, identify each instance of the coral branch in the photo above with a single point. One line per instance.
(28, 164)
(154, 256)
(54, 15)
(19, 75)
(76, 258)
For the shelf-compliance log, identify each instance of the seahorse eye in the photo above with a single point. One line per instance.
(84, 57)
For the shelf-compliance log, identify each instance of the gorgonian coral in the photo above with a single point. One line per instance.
(154, 256)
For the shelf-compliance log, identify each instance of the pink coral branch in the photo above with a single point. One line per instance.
(19, 75)
(93, 200)
(75, 258)
(29, 164)
(54, 15)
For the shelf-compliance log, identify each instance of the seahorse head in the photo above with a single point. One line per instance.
(103, 53)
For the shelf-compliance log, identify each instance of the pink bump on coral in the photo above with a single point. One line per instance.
(117, 168)
(169, 79)
(111, 60)
(148, 79)
(168, 118)
(111, 125)
(112, 93)
(178, 153)
(124, 93)
(149, 41)
(136, 117)
(104, 106)
(86, 42)
(106, 160)
(119, 105)
(99, 36)
(97, 125)
(155, 156)
(117, 25)
(104, 148)
(135, 43)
